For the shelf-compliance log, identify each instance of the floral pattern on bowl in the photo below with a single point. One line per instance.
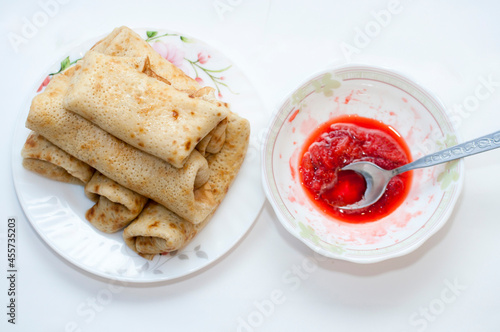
(396, 101)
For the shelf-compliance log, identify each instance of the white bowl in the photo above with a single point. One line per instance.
(379, 94)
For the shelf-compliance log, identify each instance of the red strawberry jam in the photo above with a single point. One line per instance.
(342, 141)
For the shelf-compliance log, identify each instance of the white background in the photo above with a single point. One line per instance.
(449, 284)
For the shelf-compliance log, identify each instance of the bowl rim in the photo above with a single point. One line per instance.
(279, 112)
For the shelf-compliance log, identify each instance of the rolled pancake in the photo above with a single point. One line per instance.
(43, 157)
(174, 188)
(141, 110)
(213, 142)
(160, 230)
(123, 41)
(157, 230)
(116, 206)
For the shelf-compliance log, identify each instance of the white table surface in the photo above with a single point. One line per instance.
(448, 284)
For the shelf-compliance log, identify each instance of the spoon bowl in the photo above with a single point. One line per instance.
(376, 179)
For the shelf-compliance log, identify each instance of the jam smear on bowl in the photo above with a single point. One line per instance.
(342, 141)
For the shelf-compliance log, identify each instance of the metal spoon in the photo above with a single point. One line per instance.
(377, 178)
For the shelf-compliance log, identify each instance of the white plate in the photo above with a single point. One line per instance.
(57, 210)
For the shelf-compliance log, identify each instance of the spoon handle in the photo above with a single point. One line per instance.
(469, 148)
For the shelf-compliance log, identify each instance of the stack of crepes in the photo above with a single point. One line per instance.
(154, 150)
